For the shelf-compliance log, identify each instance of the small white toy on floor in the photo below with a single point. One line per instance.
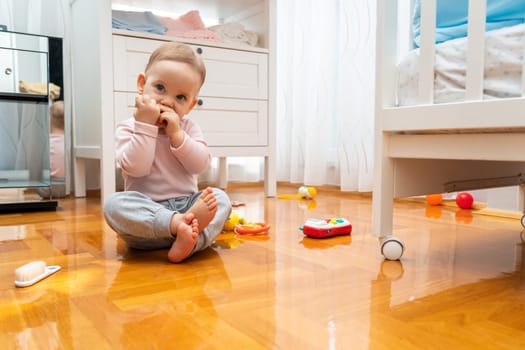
(30, 273)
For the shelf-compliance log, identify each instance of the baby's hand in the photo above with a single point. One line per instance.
(170, 120)
(148, 110)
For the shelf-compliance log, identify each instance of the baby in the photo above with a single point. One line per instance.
(161, 153)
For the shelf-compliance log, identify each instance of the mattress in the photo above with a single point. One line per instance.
(504, 49)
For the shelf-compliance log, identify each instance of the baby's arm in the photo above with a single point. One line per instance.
(193, 153)
(171, 122)
(135, 147)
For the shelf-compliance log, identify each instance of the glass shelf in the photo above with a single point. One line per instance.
(24, 121)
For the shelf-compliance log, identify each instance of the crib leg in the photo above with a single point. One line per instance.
(521, 203)
(392, 248)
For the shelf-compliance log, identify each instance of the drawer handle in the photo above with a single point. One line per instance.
(8, 71)
(199, 50)
(200, 102)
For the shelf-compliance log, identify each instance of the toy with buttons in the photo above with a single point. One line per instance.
(322, 228)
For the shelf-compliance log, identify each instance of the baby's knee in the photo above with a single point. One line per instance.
(112, 202)
(222, 199)
(110, 209)
(118, 203)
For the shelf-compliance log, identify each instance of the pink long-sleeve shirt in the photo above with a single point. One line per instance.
(150, 164)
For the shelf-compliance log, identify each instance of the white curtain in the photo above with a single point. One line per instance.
(325, 92)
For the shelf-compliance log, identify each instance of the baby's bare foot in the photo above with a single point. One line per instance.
(178, 218)
(204, 208)
(186, 238)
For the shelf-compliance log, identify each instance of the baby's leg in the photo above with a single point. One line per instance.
(186, 237)
(141, 222)
(203, 209)
(207, 236)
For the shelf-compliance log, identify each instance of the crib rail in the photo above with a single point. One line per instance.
(427, 52)
(473, 112)
(475, 51)
(473, 115)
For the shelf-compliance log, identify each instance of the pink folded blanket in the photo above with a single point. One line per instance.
(189, 26)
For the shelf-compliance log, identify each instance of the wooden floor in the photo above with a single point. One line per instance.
(460, 284)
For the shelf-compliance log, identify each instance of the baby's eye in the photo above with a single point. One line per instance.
(160, 88)
(181, 98)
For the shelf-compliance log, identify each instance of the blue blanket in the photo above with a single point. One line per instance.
(451, 18)
(137, 21)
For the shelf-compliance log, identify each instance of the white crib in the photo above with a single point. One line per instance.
(437, 148)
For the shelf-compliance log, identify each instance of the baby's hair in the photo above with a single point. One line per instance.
(57, 114)
(173, 51)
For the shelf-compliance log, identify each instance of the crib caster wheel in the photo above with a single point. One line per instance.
(392, 248)
(523, 221)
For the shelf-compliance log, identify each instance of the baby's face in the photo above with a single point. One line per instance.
(172, 84)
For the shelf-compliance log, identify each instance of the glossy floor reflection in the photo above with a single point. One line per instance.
(459, 285)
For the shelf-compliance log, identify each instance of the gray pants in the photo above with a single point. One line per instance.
(145, 224)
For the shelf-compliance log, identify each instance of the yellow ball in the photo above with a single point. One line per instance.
(232, 221)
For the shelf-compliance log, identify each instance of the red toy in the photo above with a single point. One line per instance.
(318, 228)
(464, 200)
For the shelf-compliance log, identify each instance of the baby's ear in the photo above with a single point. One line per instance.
(141, 80)
(193, 103)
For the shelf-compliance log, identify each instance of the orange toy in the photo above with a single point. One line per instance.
(434, 199)
(252, 228)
